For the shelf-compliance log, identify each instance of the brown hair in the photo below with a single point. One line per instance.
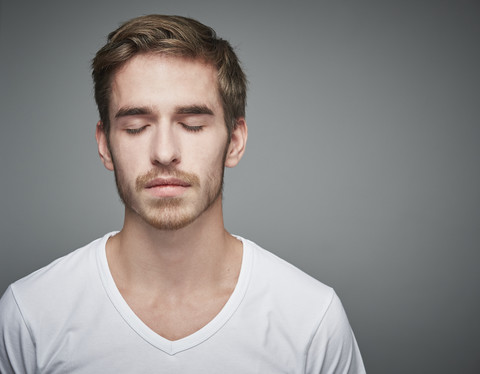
(173, 36)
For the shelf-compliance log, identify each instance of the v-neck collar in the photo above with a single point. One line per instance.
(198, 337)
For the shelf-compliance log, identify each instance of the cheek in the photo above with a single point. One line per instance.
(125, 159)
(208, 165)
(214, 156)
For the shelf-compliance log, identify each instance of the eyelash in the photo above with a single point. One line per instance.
(135, 131)
(192, 128)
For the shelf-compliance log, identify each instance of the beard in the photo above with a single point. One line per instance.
(170, 213)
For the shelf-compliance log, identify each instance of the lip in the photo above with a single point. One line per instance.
(167, 187)
(166, 182)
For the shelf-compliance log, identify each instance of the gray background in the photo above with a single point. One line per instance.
(362, 166)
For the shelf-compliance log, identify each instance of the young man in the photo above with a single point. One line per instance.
(173, 291)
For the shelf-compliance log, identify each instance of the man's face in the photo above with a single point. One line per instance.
(168, 139)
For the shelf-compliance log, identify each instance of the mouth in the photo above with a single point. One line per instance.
(167, 187)
(166, 182)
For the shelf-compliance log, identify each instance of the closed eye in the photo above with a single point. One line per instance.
(136, 130)
(192, 128)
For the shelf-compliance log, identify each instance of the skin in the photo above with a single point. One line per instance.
(173, 261)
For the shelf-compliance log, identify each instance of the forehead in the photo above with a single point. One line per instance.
(164, 82)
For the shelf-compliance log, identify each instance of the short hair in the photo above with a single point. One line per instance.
(171, 36)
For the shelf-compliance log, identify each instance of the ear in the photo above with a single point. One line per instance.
(238, 141)
(102, 144)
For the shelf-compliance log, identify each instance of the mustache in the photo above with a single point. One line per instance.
(144, 179)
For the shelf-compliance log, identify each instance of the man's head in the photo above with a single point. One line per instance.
(170, 36)
(171, 98)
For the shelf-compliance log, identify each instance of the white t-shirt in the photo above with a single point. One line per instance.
(69, 317)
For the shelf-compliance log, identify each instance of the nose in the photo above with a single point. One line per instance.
(165, 148)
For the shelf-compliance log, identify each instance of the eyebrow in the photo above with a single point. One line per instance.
(194, 109)
(133, 111)
(141, 111)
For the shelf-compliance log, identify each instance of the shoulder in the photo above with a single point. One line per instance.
(285, 278)
(37, 295)
(71, 268)
(37, 311)
(303, 309)
(286, 291)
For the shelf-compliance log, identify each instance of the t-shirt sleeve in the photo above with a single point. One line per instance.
(17, 350)
(333, 348)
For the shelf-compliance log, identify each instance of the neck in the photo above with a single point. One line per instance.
(199, 256)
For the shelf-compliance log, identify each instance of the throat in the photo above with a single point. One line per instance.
(175, 297)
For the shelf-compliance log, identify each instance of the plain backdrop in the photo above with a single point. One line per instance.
(362, 165)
